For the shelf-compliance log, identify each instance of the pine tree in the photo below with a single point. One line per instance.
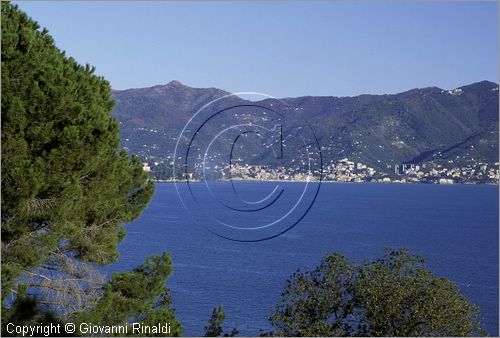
(137, 296)
(67, 189)
(214, 326)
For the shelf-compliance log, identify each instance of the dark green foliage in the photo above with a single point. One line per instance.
(391, 296)
(137, 296)
(65, 184)
(214, 326)
(401, 298)
(25, 310)
(317, 302)
(66, 191)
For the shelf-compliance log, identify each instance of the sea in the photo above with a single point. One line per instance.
(455, 227)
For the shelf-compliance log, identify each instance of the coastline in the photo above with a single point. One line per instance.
(328, 182)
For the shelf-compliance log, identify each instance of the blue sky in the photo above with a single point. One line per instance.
(280, 48)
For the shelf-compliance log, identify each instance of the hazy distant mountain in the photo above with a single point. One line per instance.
(460, 125)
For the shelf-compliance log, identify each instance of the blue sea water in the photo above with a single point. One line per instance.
(454, 226)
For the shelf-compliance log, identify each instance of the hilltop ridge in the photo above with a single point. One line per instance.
(447, 126)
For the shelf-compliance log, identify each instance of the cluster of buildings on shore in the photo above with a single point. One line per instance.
(431, 172)
(345, 170)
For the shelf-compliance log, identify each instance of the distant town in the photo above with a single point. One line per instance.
(343, 170)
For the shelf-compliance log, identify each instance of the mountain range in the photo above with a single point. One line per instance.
(451, 127)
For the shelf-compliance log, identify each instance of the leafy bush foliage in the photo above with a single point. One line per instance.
(391, 296)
